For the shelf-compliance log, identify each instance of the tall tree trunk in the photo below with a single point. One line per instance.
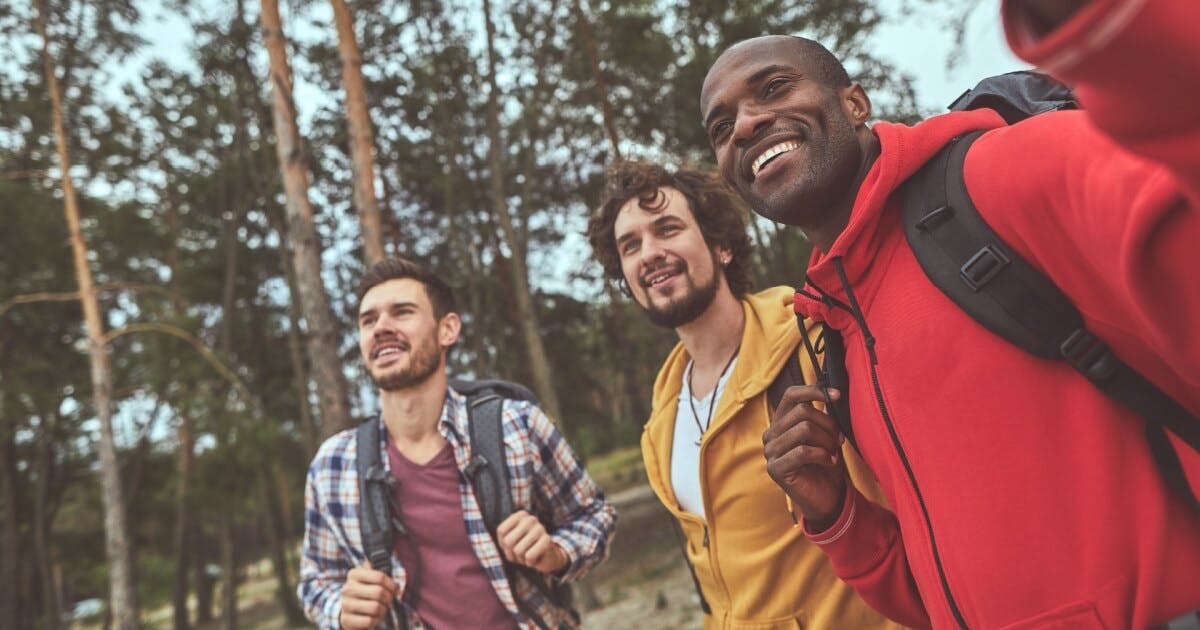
(10, 537)
(186, 454)
(362, 143)
(539, 363)
(183, 518)
(294, 341)
(589, 49)
(229, 611)
(200, 575)
(302, 231)
(277, 549)
(122, 595)
(51, 607)
(229, 566)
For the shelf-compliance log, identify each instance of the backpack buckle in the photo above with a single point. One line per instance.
(1089, 355)
(983, 266)
(934, 218)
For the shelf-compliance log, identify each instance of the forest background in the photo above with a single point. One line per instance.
(185, 218)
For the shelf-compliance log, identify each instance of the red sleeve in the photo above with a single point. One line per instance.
(1135, 66)
(866, 552)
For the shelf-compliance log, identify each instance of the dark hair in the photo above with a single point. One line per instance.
(718, 211)
(826, 68)
(440, 295)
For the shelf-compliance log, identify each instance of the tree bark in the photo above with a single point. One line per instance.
(183, 517)
(51, 607)
(295, 351)
(362, 143)
(229, 611)
(203, 581)
(123, 595)
(10, 538)
(278, 550)
(302, 231)
(589, 50)
(539, 363)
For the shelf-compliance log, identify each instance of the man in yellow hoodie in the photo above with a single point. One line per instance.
(676, 242)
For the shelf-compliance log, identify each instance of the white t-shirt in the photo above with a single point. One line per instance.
(685, 449)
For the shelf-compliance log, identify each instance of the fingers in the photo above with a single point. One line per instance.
(369, 578)
(524, 540)
(366, 597)
(796, 408)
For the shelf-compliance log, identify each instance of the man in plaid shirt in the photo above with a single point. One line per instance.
(448, 571)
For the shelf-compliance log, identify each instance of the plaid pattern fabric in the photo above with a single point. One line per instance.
(547, 480)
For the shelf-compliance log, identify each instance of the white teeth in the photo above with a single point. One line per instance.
(659, 278)
(387, 351)
(782, 147)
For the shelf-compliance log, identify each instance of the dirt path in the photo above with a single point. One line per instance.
(645, 582)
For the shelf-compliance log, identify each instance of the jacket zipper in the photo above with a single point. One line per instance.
(869, 342)
(937, 559)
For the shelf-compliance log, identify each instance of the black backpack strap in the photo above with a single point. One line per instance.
(487, 468)
(828, 355)
(375, 518)
(790, 375)
(488, 473)
(969, 262)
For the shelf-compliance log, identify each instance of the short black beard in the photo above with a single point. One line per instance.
(689, 308)
(423, 365)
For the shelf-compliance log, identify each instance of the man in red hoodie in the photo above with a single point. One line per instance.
(1023, 496)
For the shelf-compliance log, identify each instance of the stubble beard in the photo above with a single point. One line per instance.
(828, 176)
(687, 308)
(424, 362)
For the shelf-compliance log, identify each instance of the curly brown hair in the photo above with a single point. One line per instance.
(719, 212)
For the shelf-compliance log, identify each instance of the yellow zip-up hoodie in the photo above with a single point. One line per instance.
(754, 565)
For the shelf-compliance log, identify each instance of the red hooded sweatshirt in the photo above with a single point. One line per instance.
(1024, 498)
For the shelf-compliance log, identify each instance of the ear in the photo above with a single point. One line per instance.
(448, 330)
(724, 256)
(856, 104)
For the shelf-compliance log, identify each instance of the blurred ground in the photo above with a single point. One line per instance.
(643, 584)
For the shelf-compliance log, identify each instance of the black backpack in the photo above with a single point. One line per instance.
(381, 517)
(973, 266)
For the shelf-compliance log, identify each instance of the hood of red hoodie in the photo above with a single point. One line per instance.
(875, 218)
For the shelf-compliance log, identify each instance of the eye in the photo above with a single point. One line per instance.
(366, 321)
(720, 130)
(773, 86)
(629, 247)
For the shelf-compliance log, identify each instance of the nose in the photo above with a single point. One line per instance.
(651, 250)
(750, 120)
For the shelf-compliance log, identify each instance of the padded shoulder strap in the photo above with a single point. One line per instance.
(487, 468)
(790, 375)
(374, 515)
(969, 262)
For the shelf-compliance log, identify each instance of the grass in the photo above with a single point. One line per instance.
(618, 470)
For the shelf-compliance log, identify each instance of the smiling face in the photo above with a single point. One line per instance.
(402, 341)
(671, 271)
(785, 135)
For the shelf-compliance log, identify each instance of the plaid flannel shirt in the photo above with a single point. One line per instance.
(547, 480)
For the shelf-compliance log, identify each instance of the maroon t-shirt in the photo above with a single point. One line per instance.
(453, 590)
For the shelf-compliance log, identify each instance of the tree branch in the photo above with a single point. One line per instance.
(67, 296)
(191, 339)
